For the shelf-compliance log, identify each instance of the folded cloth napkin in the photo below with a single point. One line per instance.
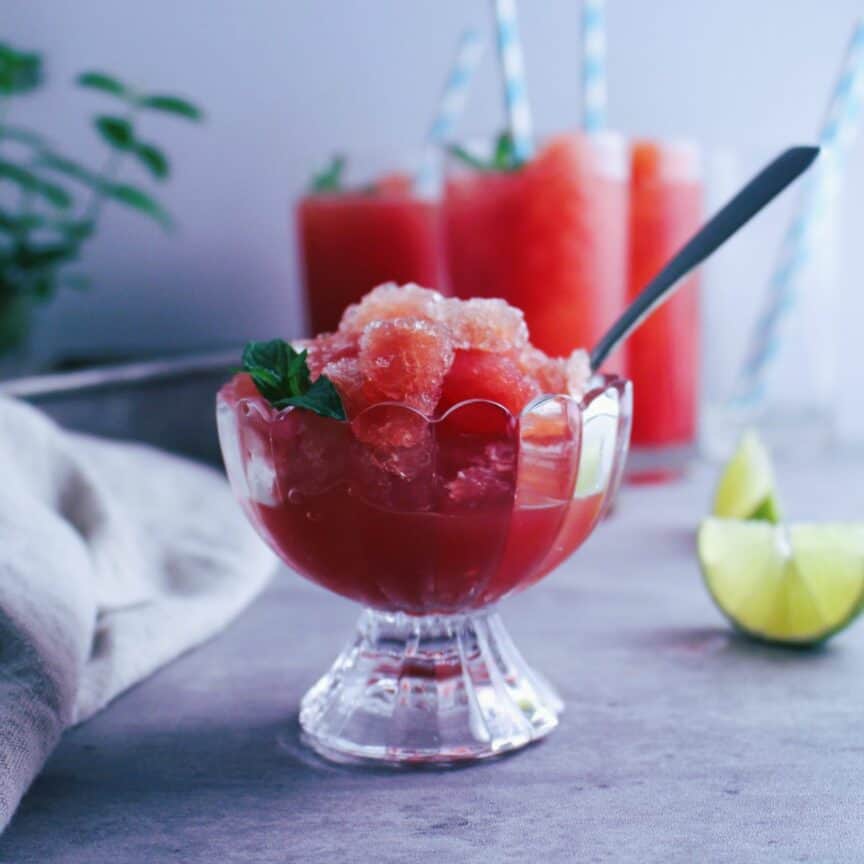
(114, 558)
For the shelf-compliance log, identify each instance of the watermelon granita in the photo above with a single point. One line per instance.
(412, 345)
(409, 460)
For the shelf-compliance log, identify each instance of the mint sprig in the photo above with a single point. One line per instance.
(503, 158)
(329, 178)
(281, 375)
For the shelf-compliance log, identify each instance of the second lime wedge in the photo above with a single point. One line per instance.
(746, 489)
(792, 585)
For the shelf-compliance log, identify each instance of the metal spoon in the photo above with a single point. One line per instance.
(761, 190)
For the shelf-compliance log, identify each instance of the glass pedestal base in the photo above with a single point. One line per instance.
(436, 689)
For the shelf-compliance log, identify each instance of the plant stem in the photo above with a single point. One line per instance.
(4, 110)
(19, 237)
(106, 177)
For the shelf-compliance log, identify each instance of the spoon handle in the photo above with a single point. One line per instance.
(761, 190)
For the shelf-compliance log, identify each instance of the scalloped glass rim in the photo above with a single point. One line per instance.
(600, 384)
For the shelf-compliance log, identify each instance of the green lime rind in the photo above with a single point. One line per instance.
(795, 586)
(768, 511)
(747, 489)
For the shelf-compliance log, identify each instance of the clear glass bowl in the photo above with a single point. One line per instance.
(427, 523)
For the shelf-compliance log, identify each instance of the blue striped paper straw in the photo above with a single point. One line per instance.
(450, 108)
(513, 70)
(841, 126)
(593, 65)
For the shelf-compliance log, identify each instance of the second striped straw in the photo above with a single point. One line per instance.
(593, 65)
(513, 69)
(841, 125)
(450, 108)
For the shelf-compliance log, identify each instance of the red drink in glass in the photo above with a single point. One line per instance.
(665, 210)
(483, 504)
(351, 241)
(550, 238)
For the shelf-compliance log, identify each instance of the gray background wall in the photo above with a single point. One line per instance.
(287, 81)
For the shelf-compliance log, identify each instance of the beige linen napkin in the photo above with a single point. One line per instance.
(114, 559)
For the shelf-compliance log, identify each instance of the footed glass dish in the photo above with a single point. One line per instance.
(427, 523)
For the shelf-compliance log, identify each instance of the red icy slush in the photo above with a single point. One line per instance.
(350, 241)
(549, 237)
(450, 484)
(666, 209)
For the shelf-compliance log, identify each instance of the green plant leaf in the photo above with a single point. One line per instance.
(282, 376)
(30, 181)
(23, 136)
(66, 231)
(139, 200)
(117, 131)
(329, 179)
(70, 168)
(78, 230)
(20, 71)
(171, 105)
(15, 224)
(153, 159)
(43, 287)
(36, 257)
(75, 281)
(104, 82)
(14, 316)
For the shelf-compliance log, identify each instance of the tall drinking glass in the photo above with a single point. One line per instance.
(549, 237)
(373, 228)
(797, 403)
(665, 210)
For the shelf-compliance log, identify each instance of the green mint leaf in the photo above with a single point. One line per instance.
(116, 131)
(153, 159)
(272, 356)
(503, 157)
(139, 200)
(468, 158)
(329, 179)
(321, 397)
(171, 105)
(269, 383)
(298, 373)
(282, 376)
(269, 364)
(104, 82)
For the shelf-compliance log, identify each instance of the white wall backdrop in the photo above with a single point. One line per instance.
(285, 82)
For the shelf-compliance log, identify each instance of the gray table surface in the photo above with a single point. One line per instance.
(681, 742)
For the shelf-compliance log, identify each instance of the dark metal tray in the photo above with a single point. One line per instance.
(168, 403)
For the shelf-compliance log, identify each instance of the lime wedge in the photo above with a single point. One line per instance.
(794, 585)
(746, 488)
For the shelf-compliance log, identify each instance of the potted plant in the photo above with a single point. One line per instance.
(51, 205)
